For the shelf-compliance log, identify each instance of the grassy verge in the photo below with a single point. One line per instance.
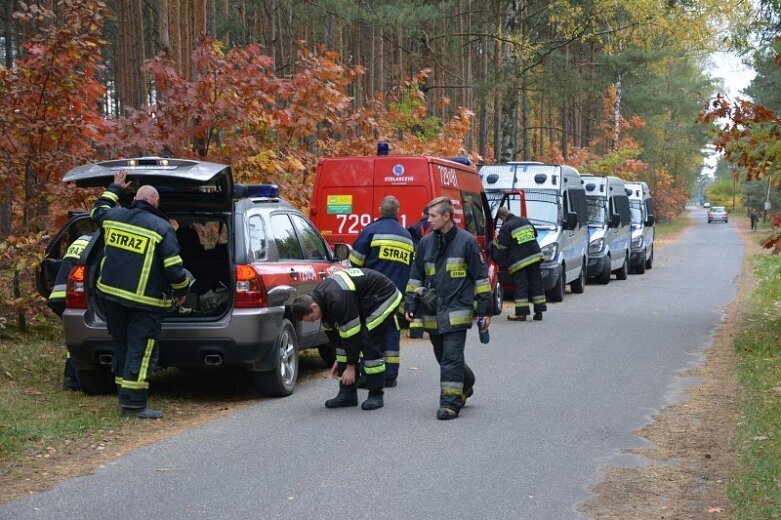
(34, 410)
(671, 229)
(755, 491)
(43, 427)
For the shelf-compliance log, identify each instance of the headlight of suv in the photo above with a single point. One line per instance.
(549, 252)
(595, 247)
(637, 242)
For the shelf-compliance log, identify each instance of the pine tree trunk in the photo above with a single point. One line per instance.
(8, 31)
(617, 112)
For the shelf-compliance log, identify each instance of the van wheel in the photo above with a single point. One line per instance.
(650, 262)
(327, 354)
(640, 268)
(621, 274)
(281, 381)
(96, 382)
(557, 293)
(579, 285)
(604, 276)
(498, 298)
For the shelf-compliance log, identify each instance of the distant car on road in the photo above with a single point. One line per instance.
(706, 205)
(718, 213)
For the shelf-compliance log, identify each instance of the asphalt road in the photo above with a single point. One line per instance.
(554, 402)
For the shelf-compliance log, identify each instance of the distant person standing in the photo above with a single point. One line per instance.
(141, 275)
(386, 247)
(754, 218)
(448, 274)
(516, 249)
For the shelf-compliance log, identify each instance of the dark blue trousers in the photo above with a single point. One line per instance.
(135, 334)
(455, 376)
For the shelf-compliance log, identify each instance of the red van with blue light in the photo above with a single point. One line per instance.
(348, 190)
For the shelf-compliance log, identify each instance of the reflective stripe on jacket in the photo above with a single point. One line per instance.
(453, 266)
(72, 256)
(385, 246)
(352, 300)
(516, 244)
(141, 267)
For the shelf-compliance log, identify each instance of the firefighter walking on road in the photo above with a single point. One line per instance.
(355, 307)
(448, 274)
(386, 246)
(516, 249)
(141, 276)
(57, 299)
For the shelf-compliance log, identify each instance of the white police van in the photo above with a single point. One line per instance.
(608, 226)
(555, 203)
(643, 220)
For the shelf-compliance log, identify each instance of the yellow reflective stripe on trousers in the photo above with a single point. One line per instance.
(451, 388)
(150, 347)
(378, 316)
(392, 356)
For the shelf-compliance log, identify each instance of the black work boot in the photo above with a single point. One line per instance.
(141, 413)
(445, 414)
(374, 401)
(516, 317)
(537, 316)
(347, 396)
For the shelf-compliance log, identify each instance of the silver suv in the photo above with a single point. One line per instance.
(251, 253)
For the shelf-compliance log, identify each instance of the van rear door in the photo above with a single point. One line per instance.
(344, 198)
(406, 178)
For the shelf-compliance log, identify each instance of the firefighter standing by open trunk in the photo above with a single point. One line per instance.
(140, 276)
(448, 274)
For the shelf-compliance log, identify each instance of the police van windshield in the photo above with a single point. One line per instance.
(542, 206)
(636, 208)
(596, 210)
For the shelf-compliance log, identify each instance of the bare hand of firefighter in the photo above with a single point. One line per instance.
(180, 300)
(348, 376)
(335, 370)
(409, 316)
(120, 178)
(486, 322)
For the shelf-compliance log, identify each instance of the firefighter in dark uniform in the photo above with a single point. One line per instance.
(355, 306)
(57, 299)
(448, 274)
(141, 275)
(516, 249)
(386, 246)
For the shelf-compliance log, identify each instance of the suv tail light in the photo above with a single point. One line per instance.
(250, 289)
(75, 295)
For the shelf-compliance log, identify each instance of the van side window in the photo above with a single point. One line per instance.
(285, 238)
(474, 219)
(577, 204)
(621, 203)
(314, 247)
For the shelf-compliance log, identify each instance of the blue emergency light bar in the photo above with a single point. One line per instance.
(270, 191)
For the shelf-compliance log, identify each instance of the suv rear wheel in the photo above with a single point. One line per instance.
(498, 297)
(281, 381)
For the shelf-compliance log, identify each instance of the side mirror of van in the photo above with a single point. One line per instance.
(651, 220)
(341, 252)
(615, 220)
(572, 220)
